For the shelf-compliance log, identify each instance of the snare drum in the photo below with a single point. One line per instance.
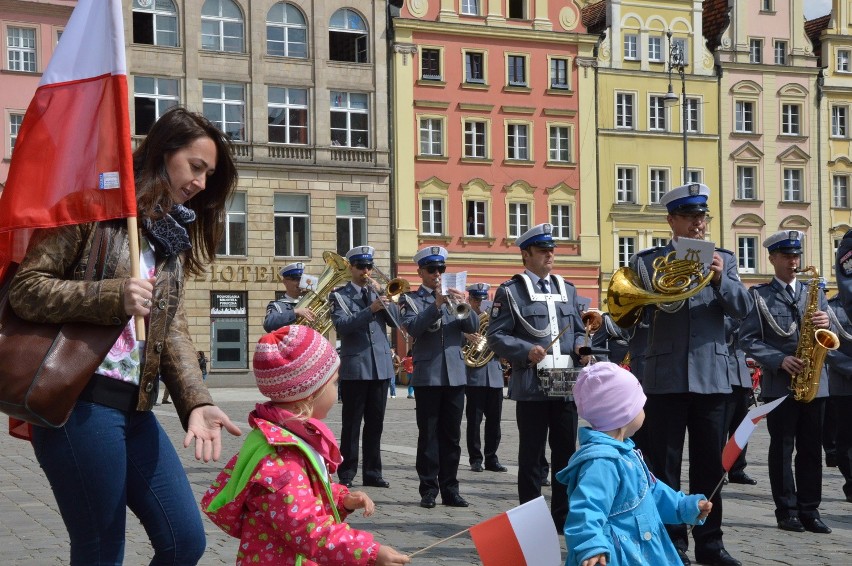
(558, 382)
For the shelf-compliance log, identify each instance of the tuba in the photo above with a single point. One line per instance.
(674, 280)
(477, 354)
(813, 345)
(335, 274)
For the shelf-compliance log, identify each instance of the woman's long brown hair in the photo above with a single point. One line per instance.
(175, 130)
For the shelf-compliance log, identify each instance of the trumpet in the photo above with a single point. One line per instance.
(457, 307)
(393, 290)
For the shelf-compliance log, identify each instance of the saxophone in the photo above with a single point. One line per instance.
(814, 344)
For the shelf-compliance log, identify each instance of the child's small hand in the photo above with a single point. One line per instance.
(704, 506)
(390, 557)
(359, 500)
(599, 559)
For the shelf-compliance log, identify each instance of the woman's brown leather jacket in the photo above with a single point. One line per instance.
(49, 287)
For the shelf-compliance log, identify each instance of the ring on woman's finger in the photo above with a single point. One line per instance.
(146, 303)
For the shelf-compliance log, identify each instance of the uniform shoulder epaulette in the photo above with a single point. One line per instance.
(515, 278)
(729, 252)
(646, 251)
(338, 289)
(759, 285)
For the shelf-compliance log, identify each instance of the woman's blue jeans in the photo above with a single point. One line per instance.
(104, 461)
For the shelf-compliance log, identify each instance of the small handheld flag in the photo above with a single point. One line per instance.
(740, 437)
(523, 536)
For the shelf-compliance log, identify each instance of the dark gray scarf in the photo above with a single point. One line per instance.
(167, 234)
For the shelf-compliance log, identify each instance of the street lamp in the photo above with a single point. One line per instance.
(678, 61)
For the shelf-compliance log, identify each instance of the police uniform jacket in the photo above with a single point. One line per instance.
(611, 337)
(365, 352)
(509, 338)
(279, 313)
(766, 345)
(687, 350)
(840, 360)
(489, 375)
(437, 334)
(738, 371)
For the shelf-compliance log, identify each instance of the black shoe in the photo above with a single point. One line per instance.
(347, 483)
(792, 524)
(427, 501)
(830, 460)
(849, 498)
(815, 525)
(454, 500)
(378, 482)
(477, 467)
(496, 467)
(684, 558)
(718, 558)
(742, 478)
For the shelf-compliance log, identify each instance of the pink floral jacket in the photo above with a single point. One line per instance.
(273, 497)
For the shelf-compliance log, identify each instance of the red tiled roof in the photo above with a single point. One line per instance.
(594, 16)
(715, 20)
(814, 28)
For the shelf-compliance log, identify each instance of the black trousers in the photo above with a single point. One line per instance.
(829, 430)
(539, 420)
(736, 408)
(362, 400)
(439, 413)
(843, 440)
(483, 402)
(667, 419)
(795, 425)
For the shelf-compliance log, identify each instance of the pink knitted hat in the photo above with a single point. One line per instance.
(293, 362)
(608, 396)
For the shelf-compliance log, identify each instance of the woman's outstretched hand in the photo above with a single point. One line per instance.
(205, 426)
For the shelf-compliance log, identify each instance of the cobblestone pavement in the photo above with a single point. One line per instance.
(32, 532)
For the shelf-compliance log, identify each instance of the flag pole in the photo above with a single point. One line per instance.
(439, 542)
(712, 495)
(133, 236)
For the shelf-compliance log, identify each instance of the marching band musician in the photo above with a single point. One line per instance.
(770, 334)
(613, 338)
(439, 377)
(529, 312)
(840, 392)
(360, 316)
(282, 312)
(739, 400)
(685, 374)
(843, 272)
(484, 393)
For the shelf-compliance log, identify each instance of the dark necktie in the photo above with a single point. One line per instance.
(545, 288)
(791, 293)
(365, 296)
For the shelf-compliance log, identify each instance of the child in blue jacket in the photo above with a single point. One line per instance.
(617, 508)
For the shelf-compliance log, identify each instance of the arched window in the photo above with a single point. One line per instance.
(155, 22)
(286, 31)
(221, 26)
(347, 37)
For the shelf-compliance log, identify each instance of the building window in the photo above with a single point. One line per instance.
(351, 223)
(766, 6)
(745, 183)
(430, 64)
(151, 98)
(631, 47)
(747, 254)
(840, 191)
(838, 121)
(432, 216)
(560, 218)
(221, 26)
(659, 184)
(657, 242)
(517, 142)
(286, 31)
(470, 7)
(559, 73)
(792, 185)
(693, 118)
(780, 52)
(225, 106)
(21, 49)
(655, 48)
(744, 117)
(15, 121)
(235, 235)
(347, 37)
(519, 218)
(755, 50)
(474, 140)
(657, 114)
(476, 217)
(517, 70)
(625, 190)
(560, 144)
(790, 119)
(287, 115)
(517, 9)
(155, 23)
(292, 225)
(842, 60)
(681, 44)
(431, 136)
(624, 110)
(693, 176)
(350, 118)
(626, 249)
(474, 67)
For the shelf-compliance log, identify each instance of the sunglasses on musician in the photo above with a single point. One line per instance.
(433, 268)
(364, 266)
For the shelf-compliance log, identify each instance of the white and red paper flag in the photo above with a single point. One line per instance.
(72, 161)
(740, 438)
(523, 536)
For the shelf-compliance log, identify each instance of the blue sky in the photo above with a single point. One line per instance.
(816, 8)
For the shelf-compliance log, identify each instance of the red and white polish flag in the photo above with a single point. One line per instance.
(738, 441)
(72, 161)
(523, 536)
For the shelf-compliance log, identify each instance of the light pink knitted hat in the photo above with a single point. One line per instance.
(293, 362)
(608, 396)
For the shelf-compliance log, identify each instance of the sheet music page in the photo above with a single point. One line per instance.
(694, 250)
(457, 281)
